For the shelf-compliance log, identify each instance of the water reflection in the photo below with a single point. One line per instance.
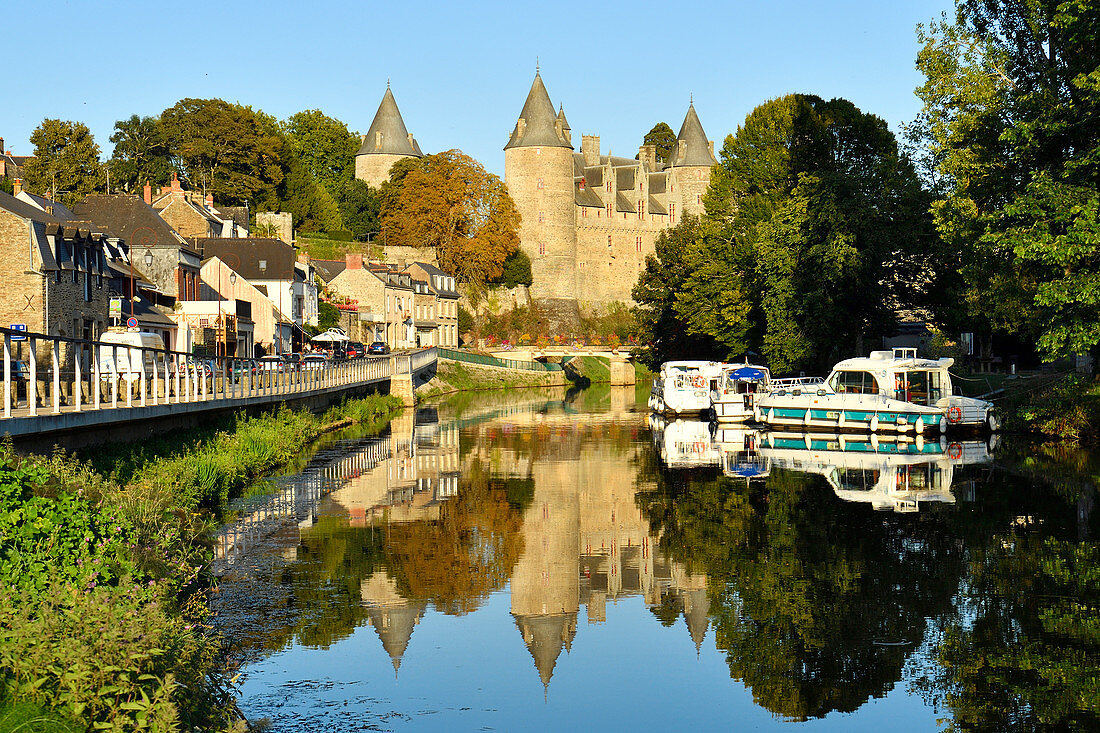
(798, 563)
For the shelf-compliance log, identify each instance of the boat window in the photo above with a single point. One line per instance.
(919, 477)
(856, 479)
(854, 383)
(918, 387)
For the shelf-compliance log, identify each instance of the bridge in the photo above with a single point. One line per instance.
(55, 385)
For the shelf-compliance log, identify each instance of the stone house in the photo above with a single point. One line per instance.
(192, 215)
(165, 258)
(55, 279)
(384, 299)
(444, 304)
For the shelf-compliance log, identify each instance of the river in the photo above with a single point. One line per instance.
(544, 561)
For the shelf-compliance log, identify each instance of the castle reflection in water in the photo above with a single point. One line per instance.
(584, 539)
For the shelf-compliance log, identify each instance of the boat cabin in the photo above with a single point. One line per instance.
(898, 374)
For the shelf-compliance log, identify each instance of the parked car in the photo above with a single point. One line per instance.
(378, 347)
(273, 363)
(314, 361)
(354, 350)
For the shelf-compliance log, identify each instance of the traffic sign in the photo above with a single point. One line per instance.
(19, 327)
(131, 322)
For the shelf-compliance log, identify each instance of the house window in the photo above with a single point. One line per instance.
(74, 277)
(87, 286)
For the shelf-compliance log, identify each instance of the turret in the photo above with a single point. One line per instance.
(386, 142)
(538, 169)
(691, 160)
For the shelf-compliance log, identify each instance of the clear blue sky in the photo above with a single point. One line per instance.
(460, 71)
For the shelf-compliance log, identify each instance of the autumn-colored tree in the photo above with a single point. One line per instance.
(449, 202)
(66, 163)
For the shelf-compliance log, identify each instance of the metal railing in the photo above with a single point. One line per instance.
(533, 366)
(54, 374)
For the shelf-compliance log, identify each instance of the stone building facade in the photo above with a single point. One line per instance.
(589, 219)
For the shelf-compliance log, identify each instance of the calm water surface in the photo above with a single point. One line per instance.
(543, 562)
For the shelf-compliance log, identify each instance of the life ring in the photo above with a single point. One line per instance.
(954, 413)
(954, 451)
(698, 382)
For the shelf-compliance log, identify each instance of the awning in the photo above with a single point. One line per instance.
(747, 374)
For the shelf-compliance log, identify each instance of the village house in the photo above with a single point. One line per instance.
(193, 215)
(272, 266)
(273, 331)
(383, 299)
(165, 258)
(443, 310)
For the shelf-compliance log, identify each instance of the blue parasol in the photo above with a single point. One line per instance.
(748, 374)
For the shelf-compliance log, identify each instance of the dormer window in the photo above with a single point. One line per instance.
(539, 184)
(378, 139)
(582, 184)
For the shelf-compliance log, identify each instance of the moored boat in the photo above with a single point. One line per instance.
(888, 391)
(684, 387)
(739, 386)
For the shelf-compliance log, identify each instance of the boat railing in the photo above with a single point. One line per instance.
(788, 382)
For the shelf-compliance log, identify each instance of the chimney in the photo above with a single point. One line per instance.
(210, 201)
(710, 147)
(18, 186)
(353, 260)
(647, 154)
(1, 146)
(303, 257)
(148, 193)
(176, 182)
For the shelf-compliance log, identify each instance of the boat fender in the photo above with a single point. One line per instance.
(874, 423)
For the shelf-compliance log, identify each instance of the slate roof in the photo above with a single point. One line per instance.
(656, 207)
(622, 203)
(329, 269)
(539, 118)
(395, 137)
(243, 255)
(587, 197)
(239, 214)
(698, 149)
(26, 211)
(432, 270)
(128, 218)
(59, 210)
(658, 182)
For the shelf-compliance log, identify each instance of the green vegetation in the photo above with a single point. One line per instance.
(103, 619)
(661, 136)
(1058, 408)
(65, 162)
(453, 376)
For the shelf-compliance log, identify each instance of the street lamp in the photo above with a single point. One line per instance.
(148, 258)
(232, 283)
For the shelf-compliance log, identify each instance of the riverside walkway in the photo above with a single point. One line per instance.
(55, 384)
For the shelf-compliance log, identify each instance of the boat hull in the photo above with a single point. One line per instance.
(845, 413)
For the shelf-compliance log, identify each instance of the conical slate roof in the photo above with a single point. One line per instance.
(545, 636)
(697, 151)
(696, 606)
(538, 116)
(395, 138)
(394, 626)
(561, 117)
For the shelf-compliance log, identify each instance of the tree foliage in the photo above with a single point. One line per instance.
(66, 164)
(815, 235)
(1011, 121)
(141, 154)
(449, 202)
(230, 150)
(516, 270)
(360, 206)
(324, 146)
(662, 136)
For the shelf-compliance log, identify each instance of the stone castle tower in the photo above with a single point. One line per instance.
(386, 142)
(589, 220)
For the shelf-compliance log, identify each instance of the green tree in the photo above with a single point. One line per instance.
(516, 270)
(1011, 100)
(324, 145)
(66, 164)
(328, 315)
(664, 138)
(230, 150)
(312, 205)
(449, 202)
(359, 207)
(141, 154)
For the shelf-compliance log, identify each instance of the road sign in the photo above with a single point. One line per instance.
(131, 322)
(116, 308)
(19, 327)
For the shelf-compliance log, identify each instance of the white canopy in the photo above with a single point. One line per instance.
(333, 335)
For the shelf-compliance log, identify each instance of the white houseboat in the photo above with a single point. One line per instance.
(739, 386)
(684, 443)
(888, 391)
(889, 474)
(684, 387)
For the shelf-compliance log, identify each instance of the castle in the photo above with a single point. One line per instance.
(588, 220)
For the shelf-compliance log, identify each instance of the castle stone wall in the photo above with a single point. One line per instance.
(374, 169)
(540, 181)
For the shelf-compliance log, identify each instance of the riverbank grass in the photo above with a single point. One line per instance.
(454, 376)
(103, 616)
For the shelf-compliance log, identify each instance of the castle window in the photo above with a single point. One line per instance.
(582, 184)
(672, 211)
(698, 198)
(609, 186)
(609, 241)
(539, 184)
(542, 217)
(638, 243)
(609, 209)
(542, 248)
(584, 212)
